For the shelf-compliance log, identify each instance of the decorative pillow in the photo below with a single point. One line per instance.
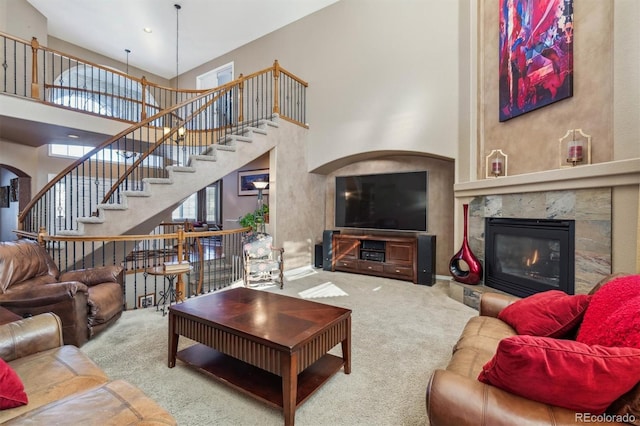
(551, 313)
(563, 373)
(11, 388)
(613, 315)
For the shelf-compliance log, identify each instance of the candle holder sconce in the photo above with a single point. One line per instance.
(496, 164)
(574, 148)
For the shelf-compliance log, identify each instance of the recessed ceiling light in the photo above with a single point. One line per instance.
(146, 30)
(73, 136)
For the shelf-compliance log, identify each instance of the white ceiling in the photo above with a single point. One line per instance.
(207, 28)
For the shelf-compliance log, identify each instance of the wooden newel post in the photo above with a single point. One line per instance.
(241, 98)
(180, 283)
(276, 90)
(41, 234)
(35, 88)
(20, 222)
(143, 113)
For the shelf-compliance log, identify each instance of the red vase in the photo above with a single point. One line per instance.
(474, 273)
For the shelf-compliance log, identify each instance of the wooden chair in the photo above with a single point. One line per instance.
(262, 261)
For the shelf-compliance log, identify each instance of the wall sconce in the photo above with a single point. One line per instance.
(574, 148)
(496, 164)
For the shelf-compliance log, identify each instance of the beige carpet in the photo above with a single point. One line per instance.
(400, 331)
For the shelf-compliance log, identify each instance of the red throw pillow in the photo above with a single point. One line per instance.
(613, 316)
(563, 373)
(11, 388)
(551, 313)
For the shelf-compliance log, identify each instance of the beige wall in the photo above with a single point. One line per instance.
(605, 104)
(440, 202)
(625, 243)
(20, 19)
(96, 58)
(383, 81)
(234, 206)
(626, 87)
(429, 96)
(601, 45)
(383, 75)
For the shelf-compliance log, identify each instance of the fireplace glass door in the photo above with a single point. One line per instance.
(526, 256)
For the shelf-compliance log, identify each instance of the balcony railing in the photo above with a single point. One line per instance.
(215, 258)
(169, 126)
(37, 72)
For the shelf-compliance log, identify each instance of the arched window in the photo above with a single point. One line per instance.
(101, 91)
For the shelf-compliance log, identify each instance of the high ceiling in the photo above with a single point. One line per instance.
(206, 28)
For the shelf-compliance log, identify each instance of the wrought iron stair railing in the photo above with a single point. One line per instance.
(214, 256)
(188, 123)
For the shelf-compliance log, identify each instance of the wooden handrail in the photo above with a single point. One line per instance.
(81, 160)
(182, 240)
(166, 136)
(38, 212)
(35, 45)
(45, 237)
(224, 88)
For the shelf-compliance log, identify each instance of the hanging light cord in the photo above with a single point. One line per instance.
(178, 7)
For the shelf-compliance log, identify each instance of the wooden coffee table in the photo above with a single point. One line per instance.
(272, 347)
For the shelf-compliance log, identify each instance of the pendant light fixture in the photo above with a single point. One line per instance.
(179, 137)
(178, 7)
(128, 51)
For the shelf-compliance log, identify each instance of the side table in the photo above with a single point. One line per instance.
(169, 294)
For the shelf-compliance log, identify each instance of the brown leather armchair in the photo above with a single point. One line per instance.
(86, 300)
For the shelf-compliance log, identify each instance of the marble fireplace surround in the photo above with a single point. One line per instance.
(582, 193)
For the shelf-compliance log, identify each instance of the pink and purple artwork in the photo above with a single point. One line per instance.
(536, 54)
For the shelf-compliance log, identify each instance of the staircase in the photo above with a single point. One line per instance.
(129, 183)
(133, 215)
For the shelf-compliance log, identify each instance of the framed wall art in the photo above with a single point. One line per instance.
(246, 179)
(146, 300)
(536, 55)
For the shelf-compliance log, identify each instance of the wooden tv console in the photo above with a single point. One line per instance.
(384, 256)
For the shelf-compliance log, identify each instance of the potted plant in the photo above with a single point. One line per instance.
(255, 217)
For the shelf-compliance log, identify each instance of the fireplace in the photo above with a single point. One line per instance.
(527, 256)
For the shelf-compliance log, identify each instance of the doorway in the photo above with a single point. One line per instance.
(216, 77)
(222, 110)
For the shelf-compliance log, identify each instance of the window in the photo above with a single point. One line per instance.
(68, 151)
(213, 211)
(204, 205)
(186, 210)
(223, 107)
(101, 91)
(107, 154)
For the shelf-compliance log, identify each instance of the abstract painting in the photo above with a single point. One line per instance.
(536, 54)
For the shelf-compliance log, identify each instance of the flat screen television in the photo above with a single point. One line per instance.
(390, 201)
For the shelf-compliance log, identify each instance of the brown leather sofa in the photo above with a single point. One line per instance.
(63, 385)
(86, 300)
(456, 397)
